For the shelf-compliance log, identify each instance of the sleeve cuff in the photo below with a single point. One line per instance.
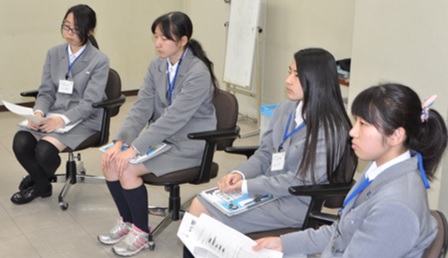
(66, 120)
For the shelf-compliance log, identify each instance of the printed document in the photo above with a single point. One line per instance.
(206, 237)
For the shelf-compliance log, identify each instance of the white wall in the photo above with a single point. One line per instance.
(288, 26)
(29, 28)
(404, 41)
(123, 33)
(296, 24)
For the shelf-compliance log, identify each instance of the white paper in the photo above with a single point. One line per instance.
(25, 112)
(28, 114)
(206, 237)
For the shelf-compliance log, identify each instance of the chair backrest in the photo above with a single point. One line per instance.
(438, 248)
(226, 106)
(113, 89)
(113, 92)
(343, 174)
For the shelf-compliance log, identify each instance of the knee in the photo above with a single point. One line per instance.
(23, 142)
(46, 151)
(110, 174)
(196, 208)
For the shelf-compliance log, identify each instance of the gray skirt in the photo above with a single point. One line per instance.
(71, 139)
(262, 218)
(168, 162)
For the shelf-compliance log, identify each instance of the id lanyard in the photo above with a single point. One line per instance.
(367, 182)
(70, 64)
(172, 84)
(286, 135)
(355, 193)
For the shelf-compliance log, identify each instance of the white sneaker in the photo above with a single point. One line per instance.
(117, 233)
(133, 243)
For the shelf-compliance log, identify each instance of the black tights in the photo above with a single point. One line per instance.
(132, 204)
(39, 158)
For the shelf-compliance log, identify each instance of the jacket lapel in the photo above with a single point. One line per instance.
(82, 61)
(161, 79)
(386, 177)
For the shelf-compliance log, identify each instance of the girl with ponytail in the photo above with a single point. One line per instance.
(175, 100)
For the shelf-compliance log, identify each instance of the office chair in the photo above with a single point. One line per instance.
(75, 173)
(439, 246)
(323, 196)
(227, 131)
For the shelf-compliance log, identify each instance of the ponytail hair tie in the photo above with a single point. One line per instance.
(425, 107)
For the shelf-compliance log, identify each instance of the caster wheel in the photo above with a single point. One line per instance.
(64, 206)
(152, 243)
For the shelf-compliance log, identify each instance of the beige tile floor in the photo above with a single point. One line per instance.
(42, 229)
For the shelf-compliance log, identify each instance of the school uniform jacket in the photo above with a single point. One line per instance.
(390, 218)
(89, 74)
(290, 210)
(152, 120)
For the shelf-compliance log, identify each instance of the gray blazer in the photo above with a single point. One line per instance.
(261, 180)
(152, 120)
(89, 74)
(390, 218)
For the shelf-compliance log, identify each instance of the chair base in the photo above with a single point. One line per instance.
(75, 173)
(168, 215)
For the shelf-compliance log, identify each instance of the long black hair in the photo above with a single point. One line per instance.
(85, 21)
(323, 107)
(174, 26)
(390, 106)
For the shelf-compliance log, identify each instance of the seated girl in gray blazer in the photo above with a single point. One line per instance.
(175, 100)
(74, 76)
(307, 137)
(386, 214)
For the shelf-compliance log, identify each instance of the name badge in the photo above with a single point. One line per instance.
(278, 161)
(65, 87)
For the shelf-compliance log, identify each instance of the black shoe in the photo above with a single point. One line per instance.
(28, 195)
(26, 183)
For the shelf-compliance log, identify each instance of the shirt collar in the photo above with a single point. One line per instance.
(374, 170)
(172, 68)
(72, 56)
(298, 117)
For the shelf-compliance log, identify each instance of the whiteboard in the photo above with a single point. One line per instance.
(241, 41)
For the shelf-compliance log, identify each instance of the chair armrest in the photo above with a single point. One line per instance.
(328, 195)
(110, 103)
(212, 139)
(325, 190)
(31, 93)
(242, 150)
(215, 135)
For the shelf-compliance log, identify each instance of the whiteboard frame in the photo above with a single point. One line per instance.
(241, 42)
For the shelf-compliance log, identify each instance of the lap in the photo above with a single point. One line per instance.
(257, 219)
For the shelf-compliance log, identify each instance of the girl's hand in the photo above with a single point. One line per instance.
(51, 124)
(273, 243)
(231, 182)
(122, 160)
(34, 125)
(109, 155)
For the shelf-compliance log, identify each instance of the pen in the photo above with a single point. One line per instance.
(258, 199)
